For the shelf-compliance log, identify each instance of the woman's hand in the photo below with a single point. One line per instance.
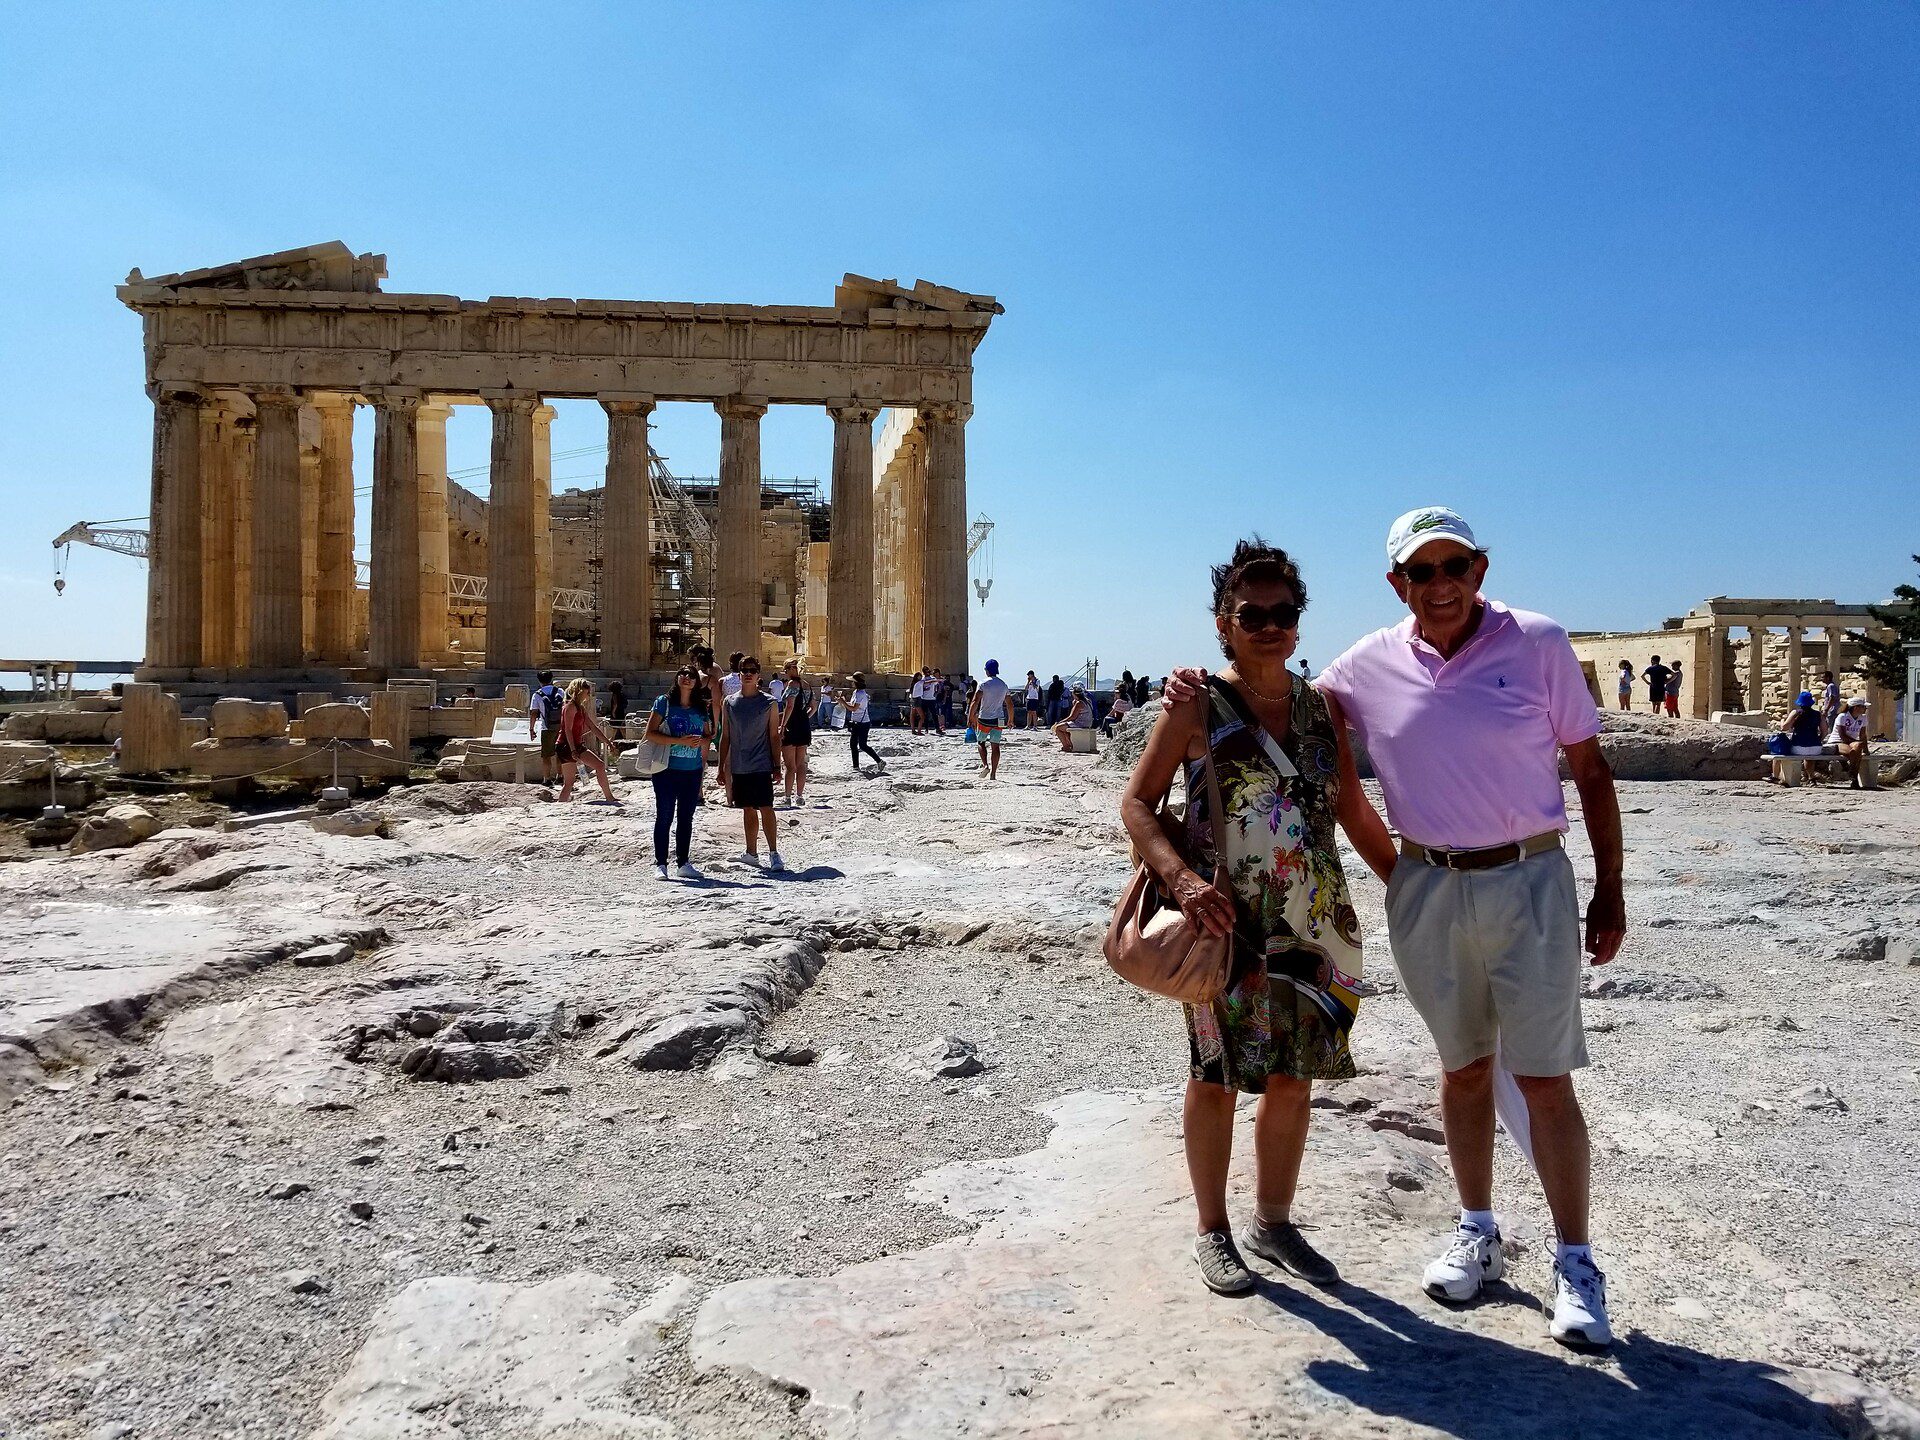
(1203, 904)
(1183, 685)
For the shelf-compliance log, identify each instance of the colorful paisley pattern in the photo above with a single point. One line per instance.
(1291, 996)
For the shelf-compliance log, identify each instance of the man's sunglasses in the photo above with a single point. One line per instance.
(1255, 618)
(749, 669)
(1454, 567)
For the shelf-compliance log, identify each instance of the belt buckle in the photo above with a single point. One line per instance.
(1452, 855)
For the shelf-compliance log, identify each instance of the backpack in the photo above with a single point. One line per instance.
(550, 701)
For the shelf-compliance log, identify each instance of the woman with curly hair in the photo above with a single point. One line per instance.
(1286, 779)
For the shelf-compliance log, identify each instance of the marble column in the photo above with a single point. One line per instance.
(435, 565)
(309, 530)
(850, 587)
(944, 616)
(1795, 644)
(241, 446)
(1835, 634)
(543, 533)
(217, 515)
(626, 546)
(333, 596)
(393, 616)
(174, 558)
(1756, 667)
(910, 548)
(510, 547)
(275, 642)
(1715, 694)
(737, 599)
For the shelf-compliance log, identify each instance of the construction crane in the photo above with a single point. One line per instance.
(115, 535)
(980, 534)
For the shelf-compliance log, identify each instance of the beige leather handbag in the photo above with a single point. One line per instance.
(1153, 945)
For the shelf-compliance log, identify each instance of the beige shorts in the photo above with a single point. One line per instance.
(1493, 955)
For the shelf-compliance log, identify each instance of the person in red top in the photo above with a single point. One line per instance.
(576, 723)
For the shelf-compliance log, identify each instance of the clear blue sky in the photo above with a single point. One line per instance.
(1617, 280)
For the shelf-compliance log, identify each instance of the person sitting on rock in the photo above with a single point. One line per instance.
(1849, 737)
(1079, 717)
(1121, 708)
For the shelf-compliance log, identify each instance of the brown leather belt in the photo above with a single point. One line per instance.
(1484, 859)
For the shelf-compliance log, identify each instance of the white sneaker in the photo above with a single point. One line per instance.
(1472, 1258)
(659, 872)
(774, 862)
(750, 857)
(1580, 1304)
(687, 872)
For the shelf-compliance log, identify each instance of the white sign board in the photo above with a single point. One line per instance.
(511, 730)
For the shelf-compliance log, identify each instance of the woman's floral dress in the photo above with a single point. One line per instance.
(1291, 992)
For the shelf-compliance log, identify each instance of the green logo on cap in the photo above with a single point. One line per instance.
(1428, 521)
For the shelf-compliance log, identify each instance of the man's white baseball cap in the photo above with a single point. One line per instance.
(1428, 523)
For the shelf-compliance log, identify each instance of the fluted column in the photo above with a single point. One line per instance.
(910, 550)
(542, 533)
(1756, 667)
(275, 642)
(217, 520)
(944, 577)
(240, 452)
(737, 601)
(1716, 676)
(434, 550)
(1835, 634)
(850, 562)
(174, 560)
(309, 530)
(1795, 647)
(333, 597)
(510, 548)
(626, 548)
(393, 614)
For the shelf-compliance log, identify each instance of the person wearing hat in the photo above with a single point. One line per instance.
(987, 714)
(1849, 737)
(1801, 735)
(1466, 707)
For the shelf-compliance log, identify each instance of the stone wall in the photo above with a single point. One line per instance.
(1601, 654)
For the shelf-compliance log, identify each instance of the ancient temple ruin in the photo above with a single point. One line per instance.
(255, 367)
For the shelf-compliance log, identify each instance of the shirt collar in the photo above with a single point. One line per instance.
(1496, 619)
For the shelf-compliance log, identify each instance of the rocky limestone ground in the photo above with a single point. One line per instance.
(475, 1129)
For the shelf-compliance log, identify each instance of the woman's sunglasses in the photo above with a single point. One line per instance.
(1255, 618)
(1454, 567)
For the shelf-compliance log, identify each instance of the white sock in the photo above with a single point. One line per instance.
(1564, 1253)
(1481, 1220)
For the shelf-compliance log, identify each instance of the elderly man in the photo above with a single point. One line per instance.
(1465, 708)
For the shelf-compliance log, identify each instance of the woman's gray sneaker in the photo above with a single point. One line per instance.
(1220, 1263)
(1286, 1247)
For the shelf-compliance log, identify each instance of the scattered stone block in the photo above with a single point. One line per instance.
(236, 719)
(151, 740)
(324, 955)
(119, 827)
(356, 822)
(947, 1057)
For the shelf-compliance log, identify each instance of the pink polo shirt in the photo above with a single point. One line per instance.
(1468, 749)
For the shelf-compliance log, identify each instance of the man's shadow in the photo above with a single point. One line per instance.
(1478, 1388)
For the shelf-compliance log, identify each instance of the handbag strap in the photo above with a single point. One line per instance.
(1216, 810)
